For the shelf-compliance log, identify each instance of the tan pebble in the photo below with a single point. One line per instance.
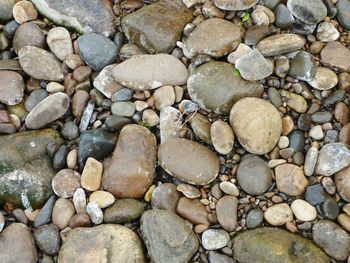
(199, 229)
(102, 198)
(53, 87)
(287, 125)
(189, 191)
(275, 162)
(24, 11)
(15, 120)
(31, 215)
(148, 194)
(303, 211)
(278, 215)
(74, 61)
(344, 220)
(179, 92)
(72, 158)
(92, 173)
(291, 227)
(222, 137)
(140, 105)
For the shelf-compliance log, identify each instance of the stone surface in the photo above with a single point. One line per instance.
(48, 239)
(17, 245)
(290, 179)
(153, 71)
(213, 239)
(275, 245)
(114, 243)
(95, 213)
(192, 210)
(257, 124)
(342, 181)
(26, 170)
(102, 198)
(253, 66)
(254, 175)
(303, 211)
(188, 161)
(303, 66)
(310, 161)
(168, 238)
(310, 12)
(132, 167)
(62, 212)
(170, 123)
(343, 8)
(105, 83)
(60, 42)
(336, 55)
(92, 174)
(325, 79)
(48, 110)
(334, 240)
(24, 11)
(280, 44)
(326, 32)
(201, 127)
(123, 211)
(165, 197)
(226, 212)
(215, 37)
(11, 87)
(278, 215)
(28, 34)
(229, 88)
(233, 5)
(47, 67)
(65, 183)
(332, 158)
(97, 50)
(222, 137)
(81, 16)
(6, 9)
(254, 218)
(158, 26)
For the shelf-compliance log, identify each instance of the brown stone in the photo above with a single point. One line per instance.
(342, 181)
(5, 116)
(11, 87)
(79, 102)
(62, 212)
(92, 174)
(344, 135)
(79, 220)
(132, 166)
(24, 11)
(341, 113)
(226, 212)
(158, 26)
(82, 73)
(290, 179)
(28, 34)
(336, 55)
(65, 183)
(165, 197)
(188, 161)
(193, 211)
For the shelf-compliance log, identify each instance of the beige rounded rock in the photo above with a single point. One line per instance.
(303, 211)
(92, 174)
(164, 96)
(24, 11)
(278, 215)
(188, 161)
(290, 179)
(257, 125)
(62, 211)
(222, 137)
(60, 42)
(325, 79)
(102, 198)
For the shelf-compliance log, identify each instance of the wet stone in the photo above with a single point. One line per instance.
(254, 218)
(303, 66)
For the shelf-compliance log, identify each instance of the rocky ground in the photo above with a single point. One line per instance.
(174, 131)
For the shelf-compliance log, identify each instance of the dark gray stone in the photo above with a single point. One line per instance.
(45, 213)
(124, 211)
(254, 218)
(343, 15)
(34, 98)
(97, 50)
(310, 12)
(116, 123)
(330, 208)
(60, 158)
(321, 117)
(47, 237)
(70, 130)
(297, 141)
(303, 66)
(215, 257)
(284, 18)
(315, 194)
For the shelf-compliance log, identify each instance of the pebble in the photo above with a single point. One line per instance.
(91, 175)
(295, 101)
(54, 107)
(226, 212)
(342, 181)
(241, 50)
(336, 55)
(47, 67)
(341, 113)
(332, 158)
(48, 239)
(11, 88)
(254, 218)
(28, 34)
(59, 41)
(310, 161)
(201, 127)
(290, 179)
(303, 66)
(163, 97)
(222, 137)
(24, 11)
(316, 132)
(233, 5)
(170, 122)
(154, 71)
(105, 83)
(326, 32)
(165, 197)
(132, 168)
(167, 237)
(283, 142)
(325, 79)
(116, 123)
(189, 191)
(201, 166)
(215, 257)
(65, 183)
(2, 222)
(123, 211)
(343, 8)
(102, 198)
(310, 12)
(297, 141)
(123, 108)
(257, 124)
(63, 210)
(280, 44)
(284, 18)
(330, 208)
(20, 217)
(150, 117)
(215, 37)
(79, 220)
(97, 50)
(229, 188)
(70, 130)
(253, 66)
(344, 221)
(315, 194)
(334, 240)
(254, 175)
(53, 87)
(229, 88)
(79, 200)
(45, 213)
(303, 211)
(192, 210)
(95, 213)
(35, 97)
(278, 215)
(213, 239)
